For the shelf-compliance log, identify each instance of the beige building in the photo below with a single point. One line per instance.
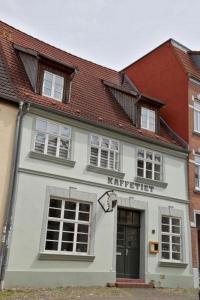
(8, 115)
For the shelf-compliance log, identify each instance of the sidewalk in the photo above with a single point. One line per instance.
(100, 294)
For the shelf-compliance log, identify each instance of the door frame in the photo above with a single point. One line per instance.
(142, 206)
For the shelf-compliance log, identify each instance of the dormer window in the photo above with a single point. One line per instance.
(53, 86)
(148, 117)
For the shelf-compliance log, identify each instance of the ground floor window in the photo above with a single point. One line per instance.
(197, 172)
(171, 238)
(68, 226)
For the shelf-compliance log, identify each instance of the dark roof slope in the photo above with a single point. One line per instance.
(90, 99)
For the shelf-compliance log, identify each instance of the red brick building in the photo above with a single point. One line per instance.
(171, 72)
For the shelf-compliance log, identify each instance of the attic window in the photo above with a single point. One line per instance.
(148, 119)
(53, 85)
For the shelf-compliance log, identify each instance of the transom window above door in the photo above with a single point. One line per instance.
(148, 117)
(52, 139)
(53, 85)
(104, 152)
(149, 164)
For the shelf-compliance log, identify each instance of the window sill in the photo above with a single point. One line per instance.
(197, 191)
(151, 182)
(105, 171)
(56, 160)
(170, 264)
(196, 132)
(68, 257)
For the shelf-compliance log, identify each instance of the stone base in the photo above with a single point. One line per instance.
(52, 279)
(170, 280)
(196, 277)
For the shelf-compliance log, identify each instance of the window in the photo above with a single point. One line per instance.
(53, 86)
(197, 172)
(52, 139)
(147, 119)
(104, 153)
(68, 226)
(149, 164)
(197, 116)
(171, 238)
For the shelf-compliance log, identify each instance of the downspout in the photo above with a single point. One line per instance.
(8, 217)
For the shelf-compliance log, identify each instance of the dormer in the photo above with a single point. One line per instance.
(48, 76)
(148, 113)
(143, 111)
(195, 55)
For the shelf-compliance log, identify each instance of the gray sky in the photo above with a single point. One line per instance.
(113, 33)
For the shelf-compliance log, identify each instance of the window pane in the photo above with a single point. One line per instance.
(165, 220)
(114, 145)
(81, 248)
(52, 235)
(176, 222)
(165, 246)
(165, 228)
(70, 205)
(41, 125)
(95, 140)
(65, 131)
(52, 145)
(175, 229)
(83, 216)
(140, 164)
(176, 248)
(51, 245)
(66, 236)
(140, 153)
(82, 238)
(67, 247)
(68, 226)
(176, 256)
(52, 128)
(105, 143)
(149, 155)
(53, 225)
(140, 172)
(149, 166)
(157, 158)
(165, 255)
(83, 228)
(55, 203)
(157, 176)
(176, 239)
(165, 238)
(69, 214)
(54, 213)
(84, 207)
(149, 174)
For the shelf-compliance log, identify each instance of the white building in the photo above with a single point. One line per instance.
(77, 147)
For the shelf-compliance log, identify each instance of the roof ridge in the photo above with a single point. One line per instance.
(41, 41)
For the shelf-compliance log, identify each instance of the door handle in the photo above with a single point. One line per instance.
(126, 251)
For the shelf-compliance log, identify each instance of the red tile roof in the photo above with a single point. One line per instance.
(89, 98)
(186, 61)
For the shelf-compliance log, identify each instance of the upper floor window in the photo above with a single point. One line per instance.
(171, 238)
(197, 172)
(149, 164)
(53, 86)
(104, 152)
(197, 116)
(147, 119)
(52, 138)
(68, 226)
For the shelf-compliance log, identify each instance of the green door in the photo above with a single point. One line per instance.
(128, 243)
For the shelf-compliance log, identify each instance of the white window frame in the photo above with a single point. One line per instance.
(107, 149)
(47, 134)
(196, 116)
(148, 111)
(145, 161)
(171, 234)
(197, 172)
(76, 222)
(52, 86)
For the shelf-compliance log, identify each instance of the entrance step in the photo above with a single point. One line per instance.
(132, 283)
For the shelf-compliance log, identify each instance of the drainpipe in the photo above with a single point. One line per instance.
(8, 217)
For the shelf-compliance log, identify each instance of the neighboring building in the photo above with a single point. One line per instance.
(172, 72)
(8, 118)
(89, 132)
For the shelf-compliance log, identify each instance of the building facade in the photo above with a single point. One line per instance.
(101, 191)
(171, 72)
